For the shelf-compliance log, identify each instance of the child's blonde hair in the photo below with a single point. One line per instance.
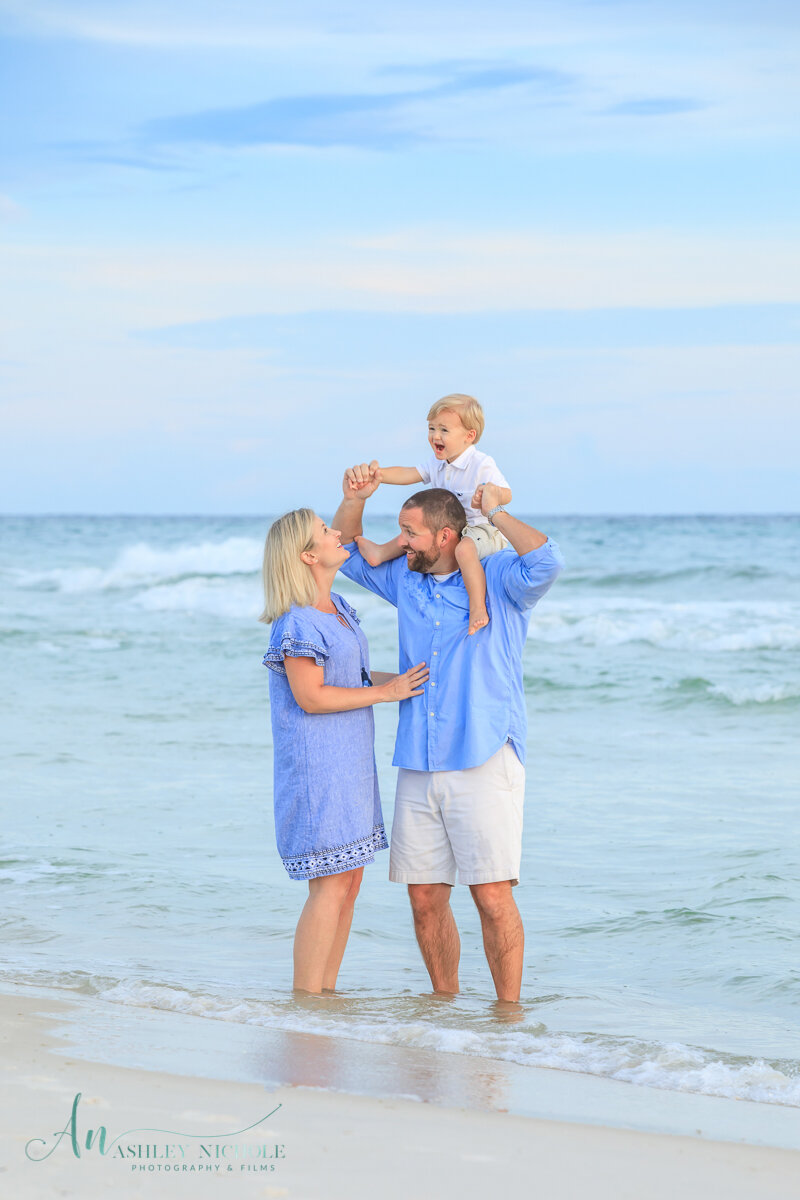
(287, 579)
(467, 407)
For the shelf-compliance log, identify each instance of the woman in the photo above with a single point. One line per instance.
(328, 817)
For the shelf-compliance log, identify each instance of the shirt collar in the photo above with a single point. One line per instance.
(463, 460)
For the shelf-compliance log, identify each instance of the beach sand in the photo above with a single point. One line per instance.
(453, 1141)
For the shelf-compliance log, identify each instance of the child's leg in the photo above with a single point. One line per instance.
(475, 583)
(376, 554)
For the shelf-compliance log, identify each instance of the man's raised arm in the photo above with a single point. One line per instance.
(524, 579)
(358, 485)
(522, 537)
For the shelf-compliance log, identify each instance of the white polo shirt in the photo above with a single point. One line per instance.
(462, 476)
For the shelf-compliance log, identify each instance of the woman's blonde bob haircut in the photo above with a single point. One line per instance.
(287, 579)
(467, 407)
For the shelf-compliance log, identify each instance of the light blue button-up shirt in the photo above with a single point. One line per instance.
(474, 700)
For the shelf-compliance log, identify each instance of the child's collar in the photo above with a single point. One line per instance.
(463, 458)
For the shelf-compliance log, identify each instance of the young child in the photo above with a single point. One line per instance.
(455, 424)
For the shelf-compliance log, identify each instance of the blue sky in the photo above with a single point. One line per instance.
(246, 245)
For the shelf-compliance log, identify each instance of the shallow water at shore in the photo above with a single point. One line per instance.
(660, 873)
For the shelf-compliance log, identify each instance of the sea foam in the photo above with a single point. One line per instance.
(671, 1066)
(716, 626)
(144, 564)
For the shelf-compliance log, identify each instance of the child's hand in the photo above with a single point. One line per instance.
(487, 496)
(361, 477)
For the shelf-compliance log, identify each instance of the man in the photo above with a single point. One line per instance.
(460, 749)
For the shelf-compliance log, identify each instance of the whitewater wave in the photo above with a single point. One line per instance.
(706, 574)
(142, 564)
(236, 599)
(715, 626)
(671, 1066)
(765, 693)
(699, 688)
(222, 579)
(241, 599)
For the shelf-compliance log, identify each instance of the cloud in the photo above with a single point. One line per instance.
(246, 24)
(118, 154)
(387, 340)
(303, 120)
(656, 106)
(54, 289)
(367, 119)
(9, 209)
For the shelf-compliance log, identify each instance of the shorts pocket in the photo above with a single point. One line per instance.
(513, 766)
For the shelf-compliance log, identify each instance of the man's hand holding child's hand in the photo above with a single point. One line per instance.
(487, 497)
(362, 479)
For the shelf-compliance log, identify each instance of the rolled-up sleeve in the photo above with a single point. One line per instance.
(526, 578)
(382, 580)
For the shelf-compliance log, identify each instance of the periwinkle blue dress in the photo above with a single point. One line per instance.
(327, 804)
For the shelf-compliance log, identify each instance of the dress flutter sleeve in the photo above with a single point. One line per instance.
(294, 636)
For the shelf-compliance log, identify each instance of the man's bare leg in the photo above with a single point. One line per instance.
(503, 936)
(437, 935)
(475, 582)
(376, 553)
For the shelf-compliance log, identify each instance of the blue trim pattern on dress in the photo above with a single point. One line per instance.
(295, 649)
(338, 858)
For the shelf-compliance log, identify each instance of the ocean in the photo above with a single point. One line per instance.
(660, 884)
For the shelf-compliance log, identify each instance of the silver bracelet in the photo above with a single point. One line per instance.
(497, 508)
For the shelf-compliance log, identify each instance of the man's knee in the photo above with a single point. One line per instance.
(494, 901)
(428, 899)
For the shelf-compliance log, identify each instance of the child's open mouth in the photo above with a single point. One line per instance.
(438, 447)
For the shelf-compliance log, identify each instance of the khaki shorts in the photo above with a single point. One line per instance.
(486, 538)
(467, 821)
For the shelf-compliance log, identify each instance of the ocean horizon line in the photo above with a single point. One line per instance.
(251, 516)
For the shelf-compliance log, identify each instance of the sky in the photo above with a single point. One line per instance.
(243, 246)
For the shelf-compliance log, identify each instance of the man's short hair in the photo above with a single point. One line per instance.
(440, 509)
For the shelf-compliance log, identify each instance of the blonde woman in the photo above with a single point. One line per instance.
(328, 820)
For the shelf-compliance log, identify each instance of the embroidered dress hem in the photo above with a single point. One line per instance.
(337, 859)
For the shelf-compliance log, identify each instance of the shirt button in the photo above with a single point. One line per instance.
(433, 683)
(432, 713)
(438, 622)
(436, 652)
(438, 595)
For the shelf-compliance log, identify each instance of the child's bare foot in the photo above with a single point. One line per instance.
(478, 618)
(371, 552)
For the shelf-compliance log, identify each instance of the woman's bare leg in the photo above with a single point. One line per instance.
(318, 927)
(342, 932)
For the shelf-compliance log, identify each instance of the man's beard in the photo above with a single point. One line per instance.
(423, 561)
